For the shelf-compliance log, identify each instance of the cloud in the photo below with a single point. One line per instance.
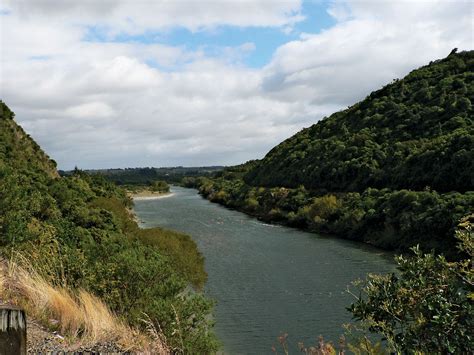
(135, 16)
(373, 43)
(118, 104)
(89, 110)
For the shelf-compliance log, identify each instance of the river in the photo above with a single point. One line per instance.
(266, 279)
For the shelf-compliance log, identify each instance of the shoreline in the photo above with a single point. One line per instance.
(145, 195)
(149, 195)
(283, 223)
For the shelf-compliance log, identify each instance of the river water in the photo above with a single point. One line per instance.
(266, 279)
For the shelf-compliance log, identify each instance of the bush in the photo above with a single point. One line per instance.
(159, 186)
(427, 306)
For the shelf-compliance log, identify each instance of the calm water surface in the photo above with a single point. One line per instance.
(266, 279)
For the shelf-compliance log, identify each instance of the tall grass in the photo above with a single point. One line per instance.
(80, 316)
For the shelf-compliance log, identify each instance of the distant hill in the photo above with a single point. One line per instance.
(145, 176)
(414, 133)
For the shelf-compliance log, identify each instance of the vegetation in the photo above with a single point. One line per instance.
(394, 170)
(146, 176)
(414, 133)
(78, 314)
(427, 307)
(159, 186)
(322, 348)
(395, 220)
(77, 233)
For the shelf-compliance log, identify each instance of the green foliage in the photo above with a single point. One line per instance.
(395, 220)
(365, 347)
(394, 170)
(427, 306)
(159, 186)
(77, 231)
(146, 176)
(186, 260)
(323, 208)
(181, 250)
(413, 133)
(19, 151)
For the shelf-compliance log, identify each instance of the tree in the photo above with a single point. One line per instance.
(428, 305)
(160, 186)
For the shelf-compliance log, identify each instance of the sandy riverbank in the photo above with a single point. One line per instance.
(149, 195)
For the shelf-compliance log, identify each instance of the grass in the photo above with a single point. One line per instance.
(80, 316)
(179, 247)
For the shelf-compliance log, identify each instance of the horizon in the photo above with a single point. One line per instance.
(117, 84)
(150, 167)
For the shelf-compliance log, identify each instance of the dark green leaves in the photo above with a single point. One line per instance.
(427, 307)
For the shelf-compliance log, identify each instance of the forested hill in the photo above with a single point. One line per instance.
(18, 150)
(394, 170)
(77, 233)
(414, 133)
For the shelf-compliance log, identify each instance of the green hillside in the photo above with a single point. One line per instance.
(18, 150)
(77, 232)
(414, 133)
(394, 170)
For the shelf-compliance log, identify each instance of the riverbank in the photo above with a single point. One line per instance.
(282, 279)
(148, 195)
(393, 220)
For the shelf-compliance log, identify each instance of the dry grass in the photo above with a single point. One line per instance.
(79, 315)
(2, 283)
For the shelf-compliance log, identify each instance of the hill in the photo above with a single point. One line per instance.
(18, 150)
(76, 234)
(414, 133)
(393, 170)
(146, 176)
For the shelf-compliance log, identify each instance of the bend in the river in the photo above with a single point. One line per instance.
(266, 279)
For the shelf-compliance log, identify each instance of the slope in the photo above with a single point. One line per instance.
(394, 170)
(414, 133)
(77, 233)
(18, 150)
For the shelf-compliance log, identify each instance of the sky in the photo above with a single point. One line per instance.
(135, 83)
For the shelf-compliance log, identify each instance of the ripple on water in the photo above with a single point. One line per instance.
(266, 279)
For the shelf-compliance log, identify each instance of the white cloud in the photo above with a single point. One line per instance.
(133, 104)
(135, 16)
(89, 110)
(373, 43)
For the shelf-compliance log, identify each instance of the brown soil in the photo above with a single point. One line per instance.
(42, 341)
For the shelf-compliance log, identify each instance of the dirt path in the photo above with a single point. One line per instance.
(43, 341)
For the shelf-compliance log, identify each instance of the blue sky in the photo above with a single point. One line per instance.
(213, 41)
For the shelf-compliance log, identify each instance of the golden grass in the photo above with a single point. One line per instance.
(2, 283)
(82, 317)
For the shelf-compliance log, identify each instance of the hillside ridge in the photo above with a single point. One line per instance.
(393, 170)
(414, 133)
(19, 150)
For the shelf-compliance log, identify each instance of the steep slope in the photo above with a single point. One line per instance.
(77, 233)
(414, 133)
(18, 150)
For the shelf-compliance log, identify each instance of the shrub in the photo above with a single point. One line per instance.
(427, 306)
